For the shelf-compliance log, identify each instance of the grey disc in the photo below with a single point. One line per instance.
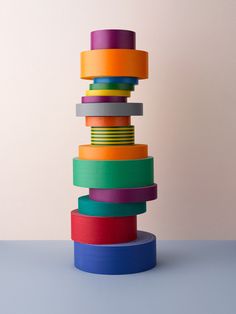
(106, 109)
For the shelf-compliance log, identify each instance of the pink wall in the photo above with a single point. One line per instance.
(189, 104)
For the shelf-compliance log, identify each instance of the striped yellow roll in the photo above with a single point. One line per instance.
(121, 135)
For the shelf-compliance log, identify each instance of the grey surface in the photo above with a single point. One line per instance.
(105, 109)
(191, 277)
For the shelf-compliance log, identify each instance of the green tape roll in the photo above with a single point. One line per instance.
(86, 206)
(113, 173)
(120, 86)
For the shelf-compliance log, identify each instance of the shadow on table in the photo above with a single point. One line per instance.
(178, 254)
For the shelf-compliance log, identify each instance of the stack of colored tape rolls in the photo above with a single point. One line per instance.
(118, 172)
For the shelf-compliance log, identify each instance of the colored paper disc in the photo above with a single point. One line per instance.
(98, 99)
(108, 92)
(86, 206)
(114, 86)
(107, 121)
(114, 62)
(102, 230)
(92, 152)
(109, 109)
(117, 79)
(113, 173)
(112, 39)
(126, 258)
(116, 135)
(130, 195)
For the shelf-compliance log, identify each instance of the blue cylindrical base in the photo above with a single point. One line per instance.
(118, 259)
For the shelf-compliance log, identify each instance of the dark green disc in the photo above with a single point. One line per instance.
(86, 206)
(113, 86)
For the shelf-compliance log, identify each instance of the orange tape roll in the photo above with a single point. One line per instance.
(107, 121)
(114, 62)
(93, 152)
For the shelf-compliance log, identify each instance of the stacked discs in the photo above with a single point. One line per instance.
(118, 172)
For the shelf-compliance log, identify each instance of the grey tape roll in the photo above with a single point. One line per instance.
(105, 109)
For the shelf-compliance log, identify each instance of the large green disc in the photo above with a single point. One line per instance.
(113, 173)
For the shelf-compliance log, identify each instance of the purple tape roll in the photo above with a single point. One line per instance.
(112, 39)
(130, 195)
(95, 99)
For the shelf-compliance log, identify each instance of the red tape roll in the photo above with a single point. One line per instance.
(102, 230)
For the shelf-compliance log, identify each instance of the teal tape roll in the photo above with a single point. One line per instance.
(86, 206)
(113, 173)
(120, 86)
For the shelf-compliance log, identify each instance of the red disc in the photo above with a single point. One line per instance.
(102, 230)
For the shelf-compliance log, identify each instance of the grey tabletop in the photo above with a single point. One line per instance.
(191, 277)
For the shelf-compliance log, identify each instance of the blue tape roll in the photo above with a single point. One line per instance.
(116, 79)
(118, 259)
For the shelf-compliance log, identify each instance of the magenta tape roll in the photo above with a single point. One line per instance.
(112, 39)
(129, 195)
(95, 99)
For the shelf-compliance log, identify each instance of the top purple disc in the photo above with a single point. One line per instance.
(112, 39)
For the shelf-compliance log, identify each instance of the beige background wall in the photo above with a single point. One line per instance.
(189, 119)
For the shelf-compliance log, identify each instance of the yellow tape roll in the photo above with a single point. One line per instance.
(108, 92)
